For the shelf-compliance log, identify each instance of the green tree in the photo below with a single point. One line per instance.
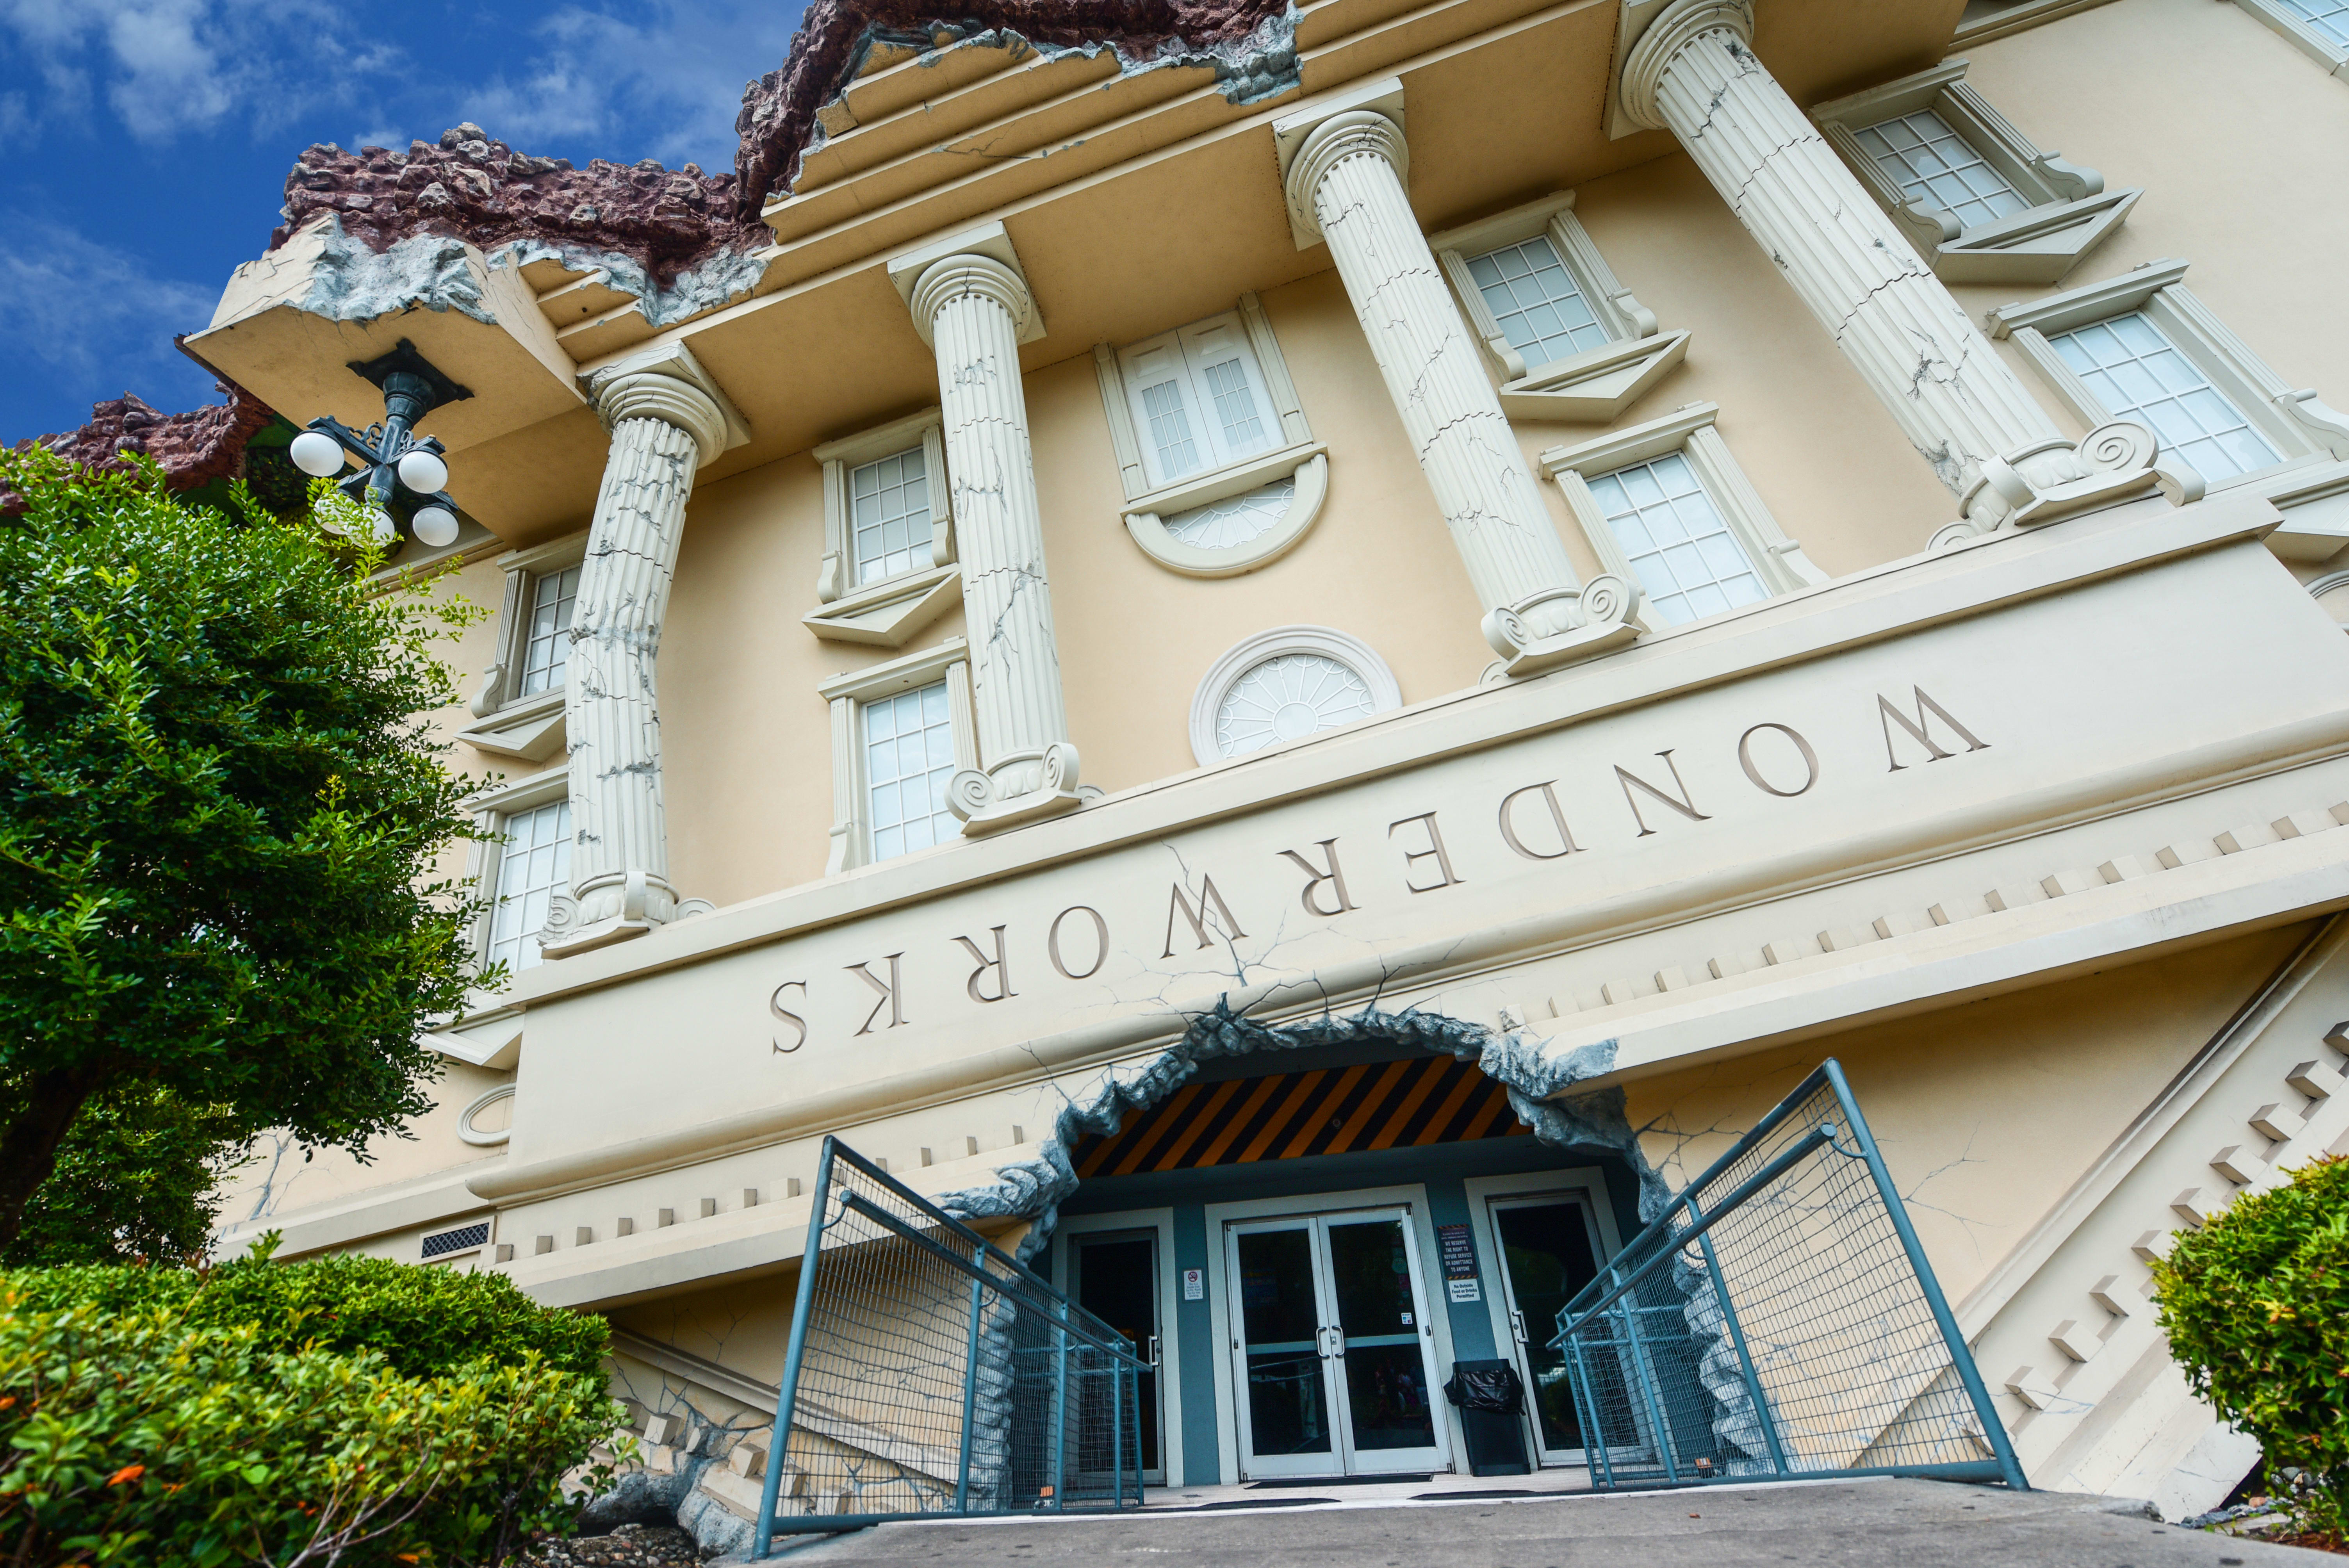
(220, 809)
(134, 1181)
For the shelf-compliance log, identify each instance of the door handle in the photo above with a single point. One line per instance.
(1151, 1359)
(1518, 1326)
(1338, 1343)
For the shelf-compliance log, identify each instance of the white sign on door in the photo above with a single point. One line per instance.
(1195, 1285)
(1465, 1289)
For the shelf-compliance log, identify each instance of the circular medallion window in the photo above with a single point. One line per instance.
(1284, 685)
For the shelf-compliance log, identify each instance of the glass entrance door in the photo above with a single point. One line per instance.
(1548, 1252)
(1117, 1282)
(1332, 1347)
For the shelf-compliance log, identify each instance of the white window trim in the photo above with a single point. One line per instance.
(527, 727)
(851, 836)
(1249, 651)
(888, 611)
(2301, 429)
(1597, 384)
(2018, 18)
(1297, 454)
(2300, 36)
(489, 807)
(2066, 199)
(1777, 559)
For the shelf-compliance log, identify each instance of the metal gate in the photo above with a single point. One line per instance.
(1779, 1319)
(929, 1374)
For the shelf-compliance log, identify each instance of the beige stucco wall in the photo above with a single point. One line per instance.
(2241, 146)
(1986, 1114)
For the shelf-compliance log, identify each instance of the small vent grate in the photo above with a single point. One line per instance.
(457, 1241)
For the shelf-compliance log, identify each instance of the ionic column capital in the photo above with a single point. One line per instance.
(1355, 133)
(652, 395)
(1667, 35)
(966, 275)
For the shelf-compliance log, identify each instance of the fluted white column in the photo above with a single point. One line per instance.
(1346, 182)
(1693, 71)
(970, 309)
(663, 429)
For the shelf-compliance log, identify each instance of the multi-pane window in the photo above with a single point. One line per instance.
(2329, 19)
(1200, 400)
(547, 640)
(1688, 562)
(889, 515)
(908, 759)
(1540, 307)
(533, 865)
(2138, 374)
(1935, 166)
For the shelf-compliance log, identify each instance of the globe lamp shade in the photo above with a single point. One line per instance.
(433, 525)
(423, 472)
(317, 454)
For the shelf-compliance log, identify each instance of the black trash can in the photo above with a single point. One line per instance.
(1488, 1395)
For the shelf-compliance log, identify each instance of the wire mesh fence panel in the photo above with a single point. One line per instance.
(1779, 1319)
(928, 1373)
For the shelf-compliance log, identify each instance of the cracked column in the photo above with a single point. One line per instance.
(666, 420)
(973, 309)
(1344, 179)
(1693, 72)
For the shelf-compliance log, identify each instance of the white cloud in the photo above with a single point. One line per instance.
(665, 85)
(171, 66)
(624, 81)
(95, 318)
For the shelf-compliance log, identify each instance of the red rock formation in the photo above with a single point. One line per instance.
(195, 448)
(485, 192)
(779, 110)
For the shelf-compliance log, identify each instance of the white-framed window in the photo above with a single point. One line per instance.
(1285, 685)
(909, 756)
(1198, 399)
(900, 732)
(2137, 373)
(2317, 28)
(545, 636)
(520, 868)
(1568, 341)
(1537, 305)
(888, 534)
(2142, 347)
(1980, 202)
(1221, 471)
(517, 709)
(889, 516)
(1933, 166)
(1684, 555)
(1666, 506)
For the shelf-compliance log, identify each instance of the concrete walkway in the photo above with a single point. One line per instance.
(1895, 1523)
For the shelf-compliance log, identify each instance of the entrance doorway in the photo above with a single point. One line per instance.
(1332, 1347)
(1116, 1279)
(1549, 1250)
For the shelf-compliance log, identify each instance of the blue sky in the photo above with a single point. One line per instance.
(144, 145)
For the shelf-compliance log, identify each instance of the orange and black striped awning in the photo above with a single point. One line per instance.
(1283, 1115)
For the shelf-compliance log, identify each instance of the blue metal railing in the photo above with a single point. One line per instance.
(928, 1374)
(1780, 1319)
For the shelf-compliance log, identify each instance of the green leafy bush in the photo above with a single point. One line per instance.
(423, 1322)
(316, 1413)
(2256, 1306)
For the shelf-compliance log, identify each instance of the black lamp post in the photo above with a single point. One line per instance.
(392, 461)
